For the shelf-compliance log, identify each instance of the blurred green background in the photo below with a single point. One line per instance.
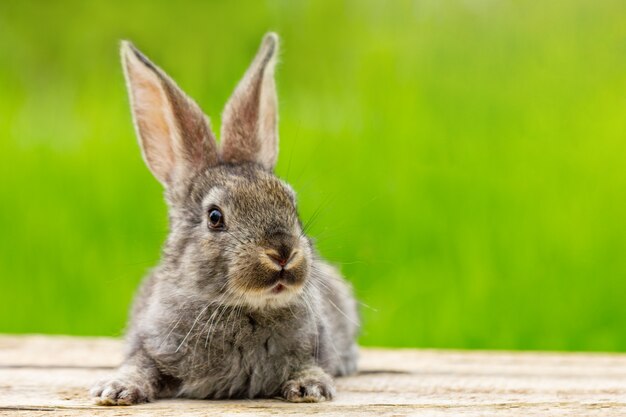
(467, 158)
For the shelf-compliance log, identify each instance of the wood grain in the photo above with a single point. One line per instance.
(50, 376)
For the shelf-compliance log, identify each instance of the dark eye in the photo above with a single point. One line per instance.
(216, 218)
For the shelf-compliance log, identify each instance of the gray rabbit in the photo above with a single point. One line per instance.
(241, 305)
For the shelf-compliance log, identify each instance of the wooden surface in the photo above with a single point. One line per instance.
(50, 376)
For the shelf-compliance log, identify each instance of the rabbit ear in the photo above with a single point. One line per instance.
(173, 132)
(249, 122)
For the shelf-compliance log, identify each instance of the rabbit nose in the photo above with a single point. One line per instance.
(279, 260)
(280, 257)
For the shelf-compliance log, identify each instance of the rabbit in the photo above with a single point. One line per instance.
(241, 305)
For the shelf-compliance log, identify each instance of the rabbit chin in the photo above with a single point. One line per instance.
(270, 298)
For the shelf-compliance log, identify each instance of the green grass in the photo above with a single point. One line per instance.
(469, 159)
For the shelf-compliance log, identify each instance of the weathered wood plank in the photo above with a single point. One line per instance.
(42, 375)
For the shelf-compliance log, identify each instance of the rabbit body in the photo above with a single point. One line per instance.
(234, 353)
(241, 305)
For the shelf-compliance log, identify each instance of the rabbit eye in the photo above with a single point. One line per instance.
(216, 218)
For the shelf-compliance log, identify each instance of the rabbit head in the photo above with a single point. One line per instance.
(234, 228)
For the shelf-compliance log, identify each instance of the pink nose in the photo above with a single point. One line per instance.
(278, 259)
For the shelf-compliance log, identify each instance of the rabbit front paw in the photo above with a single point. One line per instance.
(310, 386)
(119, 392)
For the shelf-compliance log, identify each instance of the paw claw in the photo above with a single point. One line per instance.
(308, 390)
(118, 392)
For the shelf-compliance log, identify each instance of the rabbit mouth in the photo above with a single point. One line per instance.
(278, 288)
(274, 289)
(281, 282)
(277, 295)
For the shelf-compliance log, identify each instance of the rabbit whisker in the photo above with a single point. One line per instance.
(192, 326)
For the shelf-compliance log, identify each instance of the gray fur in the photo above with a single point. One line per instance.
(219, 317)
